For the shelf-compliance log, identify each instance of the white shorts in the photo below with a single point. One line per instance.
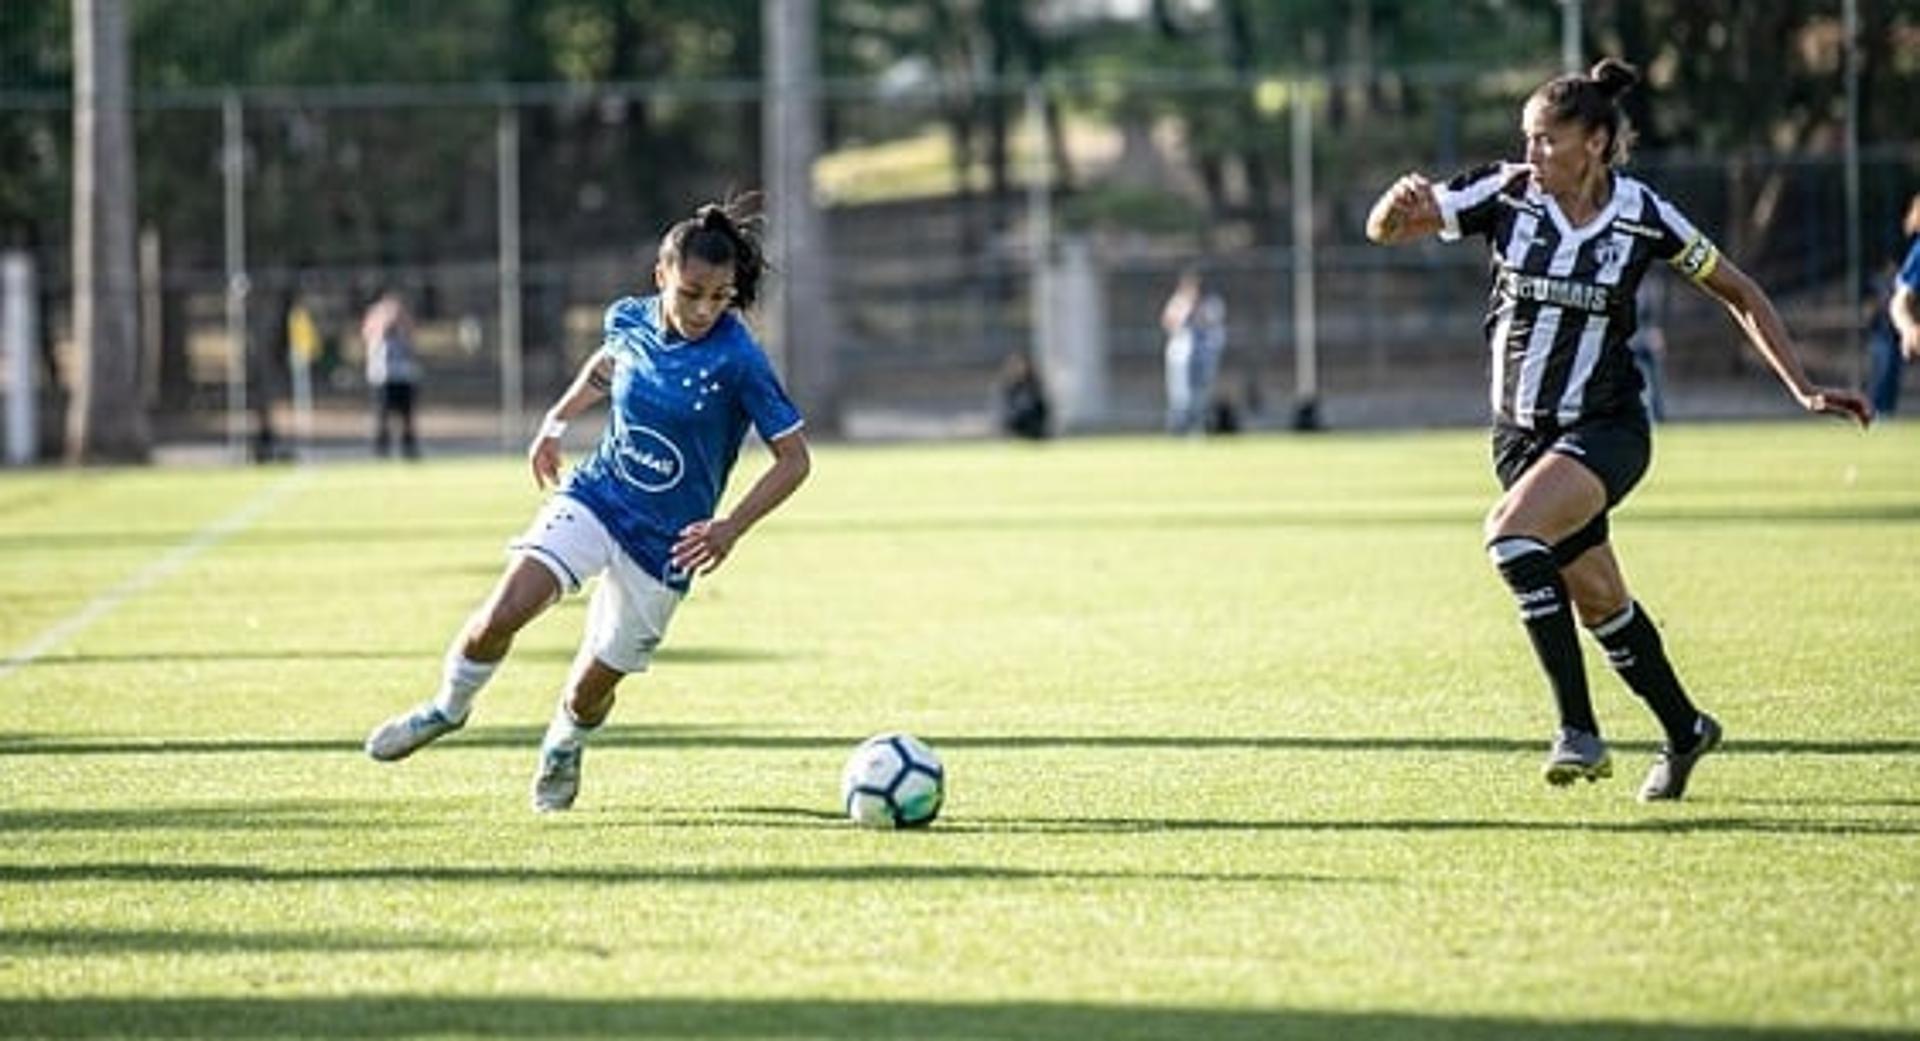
(630, 609)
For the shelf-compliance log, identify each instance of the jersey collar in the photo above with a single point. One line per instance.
(1569, 233)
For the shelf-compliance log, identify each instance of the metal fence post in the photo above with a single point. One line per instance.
(17, 324)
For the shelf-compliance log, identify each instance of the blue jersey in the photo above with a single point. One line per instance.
(677, 413)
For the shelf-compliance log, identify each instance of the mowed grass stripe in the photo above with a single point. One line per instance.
(1244, 741)
(160, 569)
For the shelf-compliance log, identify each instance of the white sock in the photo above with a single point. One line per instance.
(460, 679)
(565, 731)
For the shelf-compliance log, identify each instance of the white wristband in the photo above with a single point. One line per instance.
(552, 428)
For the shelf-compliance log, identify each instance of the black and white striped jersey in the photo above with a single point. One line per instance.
(1561, 308)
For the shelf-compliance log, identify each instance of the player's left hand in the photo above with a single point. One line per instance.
(1832, 401)
(703, 546)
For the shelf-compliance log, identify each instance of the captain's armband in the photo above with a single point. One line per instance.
(1696, 259)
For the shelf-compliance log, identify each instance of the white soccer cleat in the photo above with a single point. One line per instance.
(409, 732)
(558, 782)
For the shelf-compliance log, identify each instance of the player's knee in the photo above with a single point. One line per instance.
(1597, 593)
(1493, 528)
(1594, 608)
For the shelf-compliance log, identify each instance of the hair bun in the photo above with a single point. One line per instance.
(1613, 76)
(713, 215)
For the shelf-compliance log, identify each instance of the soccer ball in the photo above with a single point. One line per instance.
(893, 781)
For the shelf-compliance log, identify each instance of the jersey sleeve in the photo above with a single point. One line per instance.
(764, 400)
(622, 325)
(1684, 247)
(1909, 275)
(1470, 202)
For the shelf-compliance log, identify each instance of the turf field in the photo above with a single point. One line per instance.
(1243, 737)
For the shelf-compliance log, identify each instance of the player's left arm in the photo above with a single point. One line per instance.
(704, 545)
(1753, 312)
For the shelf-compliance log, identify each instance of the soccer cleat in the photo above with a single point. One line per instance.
(1668, 778)
(558, 781)
(409, 732)
(1576, 754)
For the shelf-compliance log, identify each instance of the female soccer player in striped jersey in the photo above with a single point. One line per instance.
(684, 380)
(1570, 239)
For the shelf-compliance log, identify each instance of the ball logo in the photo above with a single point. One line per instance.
(648, 459)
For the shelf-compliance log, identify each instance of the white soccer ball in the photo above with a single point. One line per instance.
(893, 781)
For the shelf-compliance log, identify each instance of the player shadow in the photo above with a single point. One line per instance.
(604, 875)
(670, 736)
(397, 1017)
(1420, 825)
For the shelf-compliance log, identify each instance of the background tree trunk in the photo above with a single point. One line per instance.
(105, 418)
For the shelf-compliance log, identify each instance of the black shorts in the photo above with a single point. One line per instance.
(1616, 448)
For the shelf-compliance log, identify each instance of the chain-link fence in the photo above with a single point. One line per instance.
(944, 211)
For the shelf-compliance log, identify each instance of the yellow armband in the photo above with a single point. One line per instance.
(1696, 259)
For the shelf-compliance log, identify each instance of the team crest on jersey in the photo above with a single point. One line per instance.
(1610, 253)
(649, 460)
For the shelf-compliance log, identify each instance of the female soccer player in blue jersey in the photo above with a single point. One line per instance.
(684, 380)
(1571, 238)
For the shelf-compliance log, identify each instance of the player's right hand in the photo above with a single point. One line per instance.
(1832, 401)
(544, 458)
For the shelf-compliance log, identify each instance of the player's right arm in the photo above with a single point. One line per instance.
(590, 386)
(1406, 211)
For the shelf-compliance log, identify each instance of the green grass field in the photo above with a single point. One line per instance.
(1243, 738)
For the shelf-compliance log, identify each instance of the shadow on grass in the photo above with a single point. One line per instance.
(1702, 817)
(854, 874)
(696, 737)
(1422, 825)
(411, 1016)
(798, 817)
(269, 815)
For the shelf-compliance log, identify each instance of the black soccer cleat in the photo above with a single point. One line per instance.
(1668, 778)
(1576, 754)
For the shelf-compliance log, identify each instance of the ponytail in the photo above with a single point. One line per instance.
(722, 234)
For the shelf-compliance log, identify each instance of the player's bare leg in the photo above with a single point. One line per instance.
(525, 590)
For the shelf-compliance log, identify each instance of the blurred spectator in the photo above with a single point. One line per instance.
(1648, 345)
(1894, 336)
(1195, 320)
(392, 371)
(1022, 399)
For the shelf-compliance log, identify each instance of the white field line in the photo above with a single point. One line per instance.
(175, 558)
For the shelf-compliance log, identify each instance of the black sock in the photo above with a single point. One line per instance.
(1528, 567)
(1635, 651)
